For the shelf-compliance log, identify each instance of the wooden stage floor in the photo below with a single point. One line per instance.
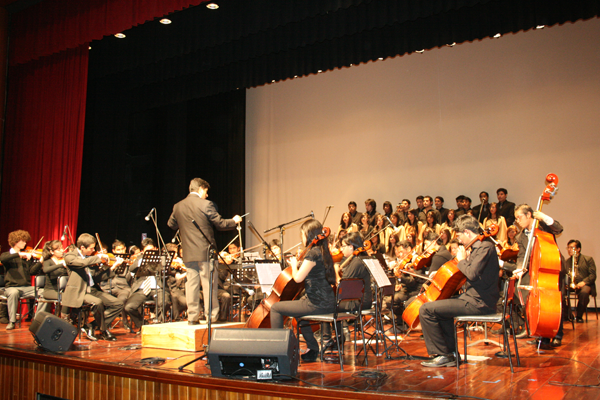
(101, 370)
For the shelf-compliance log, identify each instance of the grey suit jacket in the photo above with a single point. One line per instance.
(205, 213)
(78, 278)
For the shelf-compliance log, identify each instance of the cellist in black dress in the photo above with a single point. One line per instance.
(318, 274)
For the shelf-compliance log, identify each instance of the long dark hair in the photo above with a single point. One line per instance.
(311, 229)
(342, 224)
(50, 246)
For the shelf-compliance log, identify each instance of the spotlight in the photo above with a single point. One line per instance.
(165, 21)
(212, 6)
(540, 27)
(497, 35)
(120, 35)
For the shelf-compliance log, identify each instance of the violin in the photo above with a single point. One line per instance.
(366, 247)
(402, 264)
(424, 259)
(178, 266)
(35, 253)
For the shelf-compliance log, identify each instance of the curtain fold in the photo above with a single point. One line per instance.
(44, 145)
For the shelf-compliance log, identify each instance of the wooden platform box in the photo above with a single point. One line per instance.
(180, 335)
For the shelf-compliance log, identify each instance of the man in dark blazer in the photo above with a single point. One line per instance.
(585, 276)
(195, 207)
(506, 209)
(482, 211)
(81, 288)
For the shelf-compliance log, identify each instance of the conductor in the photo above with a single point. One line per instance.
(195, 207)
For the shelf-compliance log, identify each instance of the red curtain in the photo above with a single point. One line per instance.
(44, 144)
(56, 25)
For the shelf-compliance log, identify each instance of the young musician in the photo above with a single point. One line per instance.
(118, 285)
(54, 267)
(318, 274)
(19, 267)
(585, 276)
(480, 296)
(81, 288)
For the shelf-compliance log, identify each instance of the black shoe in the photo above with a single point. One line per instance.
(441, 361)
(556, 342)
(193, 322)
(579, 320)
(89, 333)
(310, 356)
(106, 335)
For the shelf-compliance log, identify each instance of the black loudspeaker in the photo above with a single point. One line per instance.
(243, 352)
(52, 333)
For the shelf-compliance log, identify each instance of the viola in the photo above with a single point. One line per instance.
(285, 288)
(447, 280)
(424, 259)
(542, 258)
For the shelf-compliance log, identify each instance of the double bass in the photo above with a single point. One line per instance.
(447, 280)
(285, 288)
(542, 259)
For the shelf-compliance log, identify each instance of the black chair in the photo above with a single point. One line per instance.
(505, 318)
(351, 289)
(23, 301)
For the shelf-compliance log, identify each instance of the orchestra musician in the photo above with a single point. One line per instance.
(145, 287)
(82, 289)
(481, 269)
(584, 281)
(318, 274)
(195, 207)
(176, 282)
(54, 267)
(19, 266)
(525, 218)
(407, 285)
(118, 285)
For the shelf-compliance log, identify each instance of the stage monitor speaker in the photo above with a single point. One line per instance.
(52, 333)
(243, 352)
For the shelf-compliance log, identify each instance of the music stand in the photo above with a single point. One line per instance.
(153, 260)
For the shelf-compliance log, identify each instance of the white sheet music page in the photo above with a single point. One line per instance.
(267, 274)
(377, 272)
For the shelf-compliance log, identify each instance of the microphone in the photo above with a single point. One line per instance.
(330, 206)
(312, 214)
(64, 233)
(147, 217)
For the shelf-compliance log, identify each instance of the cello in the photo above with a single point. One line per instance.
(542, 259)
(285, 288)
(447, 280)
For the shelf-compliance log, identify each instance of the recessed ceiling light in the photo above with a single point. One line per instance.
(120, 35)
(451, 44)
(212, 6)
(421, 51)
(497, 35)
(380, 58)
(540, 27)
(165, 21)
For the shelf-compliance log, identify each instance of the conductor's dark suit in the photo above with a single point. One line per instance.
(195, 249)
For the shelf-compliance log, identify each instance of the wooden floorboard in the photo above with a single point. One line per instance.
(105, 370)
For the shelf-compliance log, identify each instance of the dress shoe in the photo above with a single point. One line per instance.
(193, 323)
(89, 333)
(310, 356)
(441, 361)
(106, 335)
(10, 326)
(579, 320)
(556, 342)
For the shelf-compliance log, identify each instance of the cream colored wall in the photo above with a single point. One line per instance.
(456, 120)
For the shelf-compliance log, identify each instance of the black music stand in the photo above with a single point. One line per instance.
(153, 260)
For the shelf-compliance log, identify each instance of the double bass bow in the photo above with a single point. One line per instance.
(543, 261)
(447, 280)
(285, 288)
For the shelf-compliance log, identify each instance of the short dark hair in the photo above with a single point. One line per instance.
(577, 243)
(118, 243)
(524, 209)
(406, 244)
(486, 193)
(420, 197)
(354, 239)
(502, 190)
(352, 203)
(431, 236)
(372, 202)
(198, 183)
(148, 242)
(85, 240)
(406, 200)
(467, 199)
(465, 222)
(461, 197)
(440, 198)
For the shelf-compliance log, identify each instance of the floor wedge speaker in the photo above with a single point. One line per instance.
(52, 333)
(253, 353)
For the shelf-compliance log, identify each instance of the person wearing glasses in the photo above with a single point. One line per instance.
(584, 281)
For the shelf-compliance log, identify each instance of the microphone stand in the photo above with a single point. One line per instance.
(282, 229)
(327, 210)
(210, 252)
(164, 265)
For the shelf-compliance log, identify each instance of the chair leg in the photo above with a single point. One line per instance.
(596, 308)
(337, 342)
(456, 345)
(506, 342)
(362, 333)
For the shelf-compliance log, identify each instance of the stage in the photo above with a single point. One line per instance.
(113, 370)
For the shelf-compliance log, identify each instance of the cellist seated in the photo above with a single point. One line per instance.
(481, 269)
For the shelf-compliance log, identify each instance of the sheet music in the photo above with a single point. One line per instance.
(267, 272)
(377, 272)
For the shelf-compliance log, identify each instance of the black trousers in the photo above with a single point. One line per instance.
(437, 322)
